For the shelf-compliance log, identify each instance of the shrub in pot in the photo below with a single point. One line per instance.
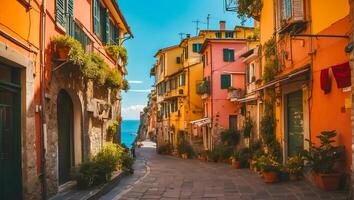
(185, 150)
(165, 149)
(322, 159)
(244, 157)
(235, 160)
(67, 47)
(112, 131)
(270, 168)
(294, 166)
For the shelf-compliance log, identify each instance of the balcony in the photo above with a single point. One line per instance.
(203, 87)
(236, 93)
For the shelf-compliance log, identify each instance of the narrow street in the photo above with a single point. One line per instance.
(167, 177)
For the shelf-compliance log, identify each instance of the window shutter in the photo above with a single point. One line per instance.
(231, 55)
(70, 18)
(116, 35)
(225, 55)
(247, 73)
(106, 35)
(298, 10)
(71, 8)
(96, 17)
(225, 81)
(194, 47)
(60, 15)
(178, 60)
(186, 52)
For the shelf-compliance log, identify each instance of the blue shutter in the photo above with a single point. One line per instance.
(59, 15)
(71, 8)
(194, 47)
(70, 18)
(106, 35)
(96, 17)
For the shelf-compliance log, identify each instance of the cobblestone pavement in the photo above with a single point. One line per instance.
(167, 177)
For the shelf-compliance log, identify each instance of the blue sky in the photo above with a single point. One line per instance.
(156, 24)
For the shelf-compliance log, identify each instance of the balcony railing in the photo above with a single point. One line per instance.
(203, 87)
(236, 93)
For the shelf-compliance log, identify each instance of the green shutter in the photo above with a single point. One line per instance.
(96, 17)
(247, 73)
(60, 15)
(226, 55)
(186, 52)
(116, 35)
(178, 60)
(231, 55)
(225, 81)
(106, 35)
(70, 18)
(183, 79)
(71, 7)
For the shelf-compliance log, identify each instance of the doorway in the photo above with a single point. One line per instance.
(10, 134)
(295, 122)
(65, 117)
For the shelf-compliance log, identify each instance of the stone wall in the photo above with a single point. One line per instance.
(94, 108)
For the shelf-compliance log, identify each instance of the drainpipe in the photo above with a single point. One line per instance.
(211, 95)
(43, 175)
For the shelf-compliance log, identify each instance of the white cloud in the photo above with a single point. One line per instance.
(132, 112)
(141, 91)
(135, 82)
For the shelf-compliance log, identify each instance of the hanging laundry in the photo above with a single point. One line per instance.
(325, 81)
(342, 75)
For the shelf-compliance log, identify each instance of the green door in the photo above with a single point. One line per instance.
(65, 136)
(10, 134)
(295, 123)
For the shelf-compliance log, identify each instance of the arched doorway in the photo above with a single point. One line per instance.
(65, 115)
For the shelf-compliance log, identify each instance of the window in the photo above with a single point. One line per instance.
(287, 11)
(64, 10)
(186, 52)
(229, 34)
(197, 47)
(248, 73)
(229, 55)
(233, 122)
(178, 60)
(113, 34)
(218, 34)
(225, 81)
(182, 79)
(162, 64)
(101, 22)
(290, 10)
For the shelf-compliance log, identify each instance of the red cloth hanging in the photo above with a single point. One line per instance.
(325, 81)
(342, 75)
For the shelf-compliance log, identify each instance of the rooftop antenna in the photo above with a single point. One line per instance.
(181, 35)
(197, 22)
(208, 21)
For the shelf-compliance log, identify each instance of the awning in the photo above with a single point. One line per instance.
(201, 122)
(284, 78)
(248, 98)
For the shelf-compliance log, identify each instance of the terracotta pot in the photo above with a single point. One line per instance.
(270, 177)
(226, 161)
(62, 52)
(184, 156)
(328, 182)
(235, 164)
(293, 177)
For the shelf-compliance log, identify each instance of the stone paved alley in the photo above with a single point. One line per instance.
(167, 177)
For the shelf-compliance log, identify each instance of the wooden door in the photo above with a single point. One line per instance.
(10, 134)
(295, 123)
(65, 136)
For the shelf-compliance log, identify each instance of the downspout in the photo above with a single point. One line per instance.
(311, 67)
(43, 175)
(211, 94)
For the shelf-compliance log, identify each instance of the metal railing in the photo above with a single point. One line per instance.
(203, 87)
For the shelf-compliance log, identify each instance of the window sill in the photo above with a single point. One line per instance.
(26, 3)
(291, 25)
(60, 27)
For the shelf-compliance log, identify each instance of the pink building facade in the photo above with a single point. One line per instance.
(224, 79)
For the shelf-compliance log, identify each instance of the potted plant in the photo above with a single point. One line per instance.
(244, 157)
(294, 166)
(235, 160)
(185, 150)
(270, 168)
(322, 159)
(67, 48)
(112, 131)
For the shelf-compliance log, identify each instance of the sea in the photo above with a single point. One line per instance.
(129, 130)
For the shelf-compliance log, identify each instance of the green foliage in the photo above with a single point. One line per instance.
(112, 129)
(249, 8)
(116, 51)
(247, 127)
(270, 70)
(125, 85)
(99, 169)
(270, 48)
(322, 158)
(76, 53)
(230, 137)
(221, 152)
(127, 163)
(95, 68)
(268, 163)
(185, 147)
(114, 79)
(244, 156)
(165, 149)
(295, 164)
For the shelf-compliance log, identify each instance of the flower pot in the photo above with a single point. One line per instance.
(62, 52)
(270, 177)
(235, 164)
(283, 176)
(328, 182)
(226, 161)
(184, 156)
(293, 177)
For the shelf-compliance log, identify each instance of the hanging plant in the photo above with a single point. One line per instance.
(117, 52)
(249, 8)
(69, 48)
(125, 85)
